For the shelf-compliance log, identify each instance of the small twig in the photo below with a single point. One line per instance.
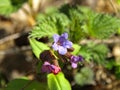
(15, 50)
(107, 41)
(10, 37)
(114, 7)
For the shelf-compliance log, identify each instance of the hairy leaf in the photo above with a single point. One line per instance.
(76, 20)
(102, 26)
(95, 52)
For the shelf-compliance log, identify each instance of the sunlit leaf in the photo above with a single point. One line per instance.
(76, 49)
(38, 47)
(58, 82)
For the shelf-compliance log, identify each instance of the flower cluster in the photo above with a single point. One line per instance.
(62, 45)
(74, 60)
(47, 67)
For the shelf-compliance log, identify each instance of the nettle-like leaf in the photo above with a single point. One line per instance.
(49, 25)
(99, 25)
(60, 20)
(9, 6)
(79, 22)
(85, 76)
(76, 32)
(95, 52)
(102, 26)
(58, 82)
(37, 47)
(76, 20)
(43, 29)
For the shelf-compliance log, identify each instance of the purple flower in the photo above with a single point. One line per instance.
(74, 60)
(61, 43)
(50, 68)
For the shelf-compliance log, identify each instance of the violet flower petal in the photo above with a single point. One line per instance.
(80, 58)
(62, 50)
(56, 38)
(67, 44)
(45, 67)
(74, 60)
(65, 35)
(74, 65)
(55, 46)
(61, 43)
(46, 63)
(56, 69)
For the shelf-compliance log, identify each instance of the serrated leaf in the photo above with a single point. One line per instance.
(98, 25)
(19, 84)
(95, 52)
(43, 29)
(103, 26)
(49, 25)
(76, 19)
(58, 82)
(37, 47)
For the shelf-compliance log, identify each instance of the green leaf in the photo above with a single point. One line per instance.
(118, 1)
(9, 6)
(78, 22)
(58, 82)
(48, 25)
(86, 76)
(98, 25)
(118, 31)
(117, 71)
(76, 49)
(45, 28)
(39, 65)
(95, 52)
(76, 32)
(110, 64)
(37, 47)
(102, 26)
(25, 84)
